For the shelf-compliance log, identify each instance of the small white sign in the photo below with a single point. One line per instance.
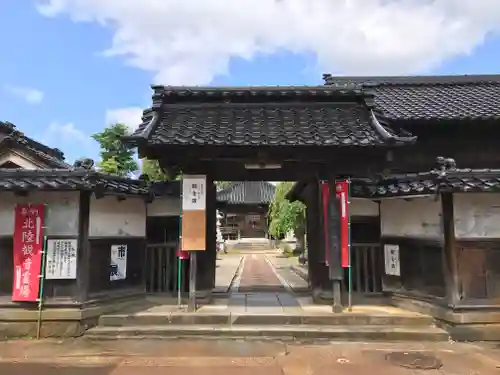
(194, 192)
(61, 259)
(391, 258)
(118, 265)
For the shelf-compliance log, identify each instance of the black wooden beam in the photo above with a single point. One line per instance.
(450, 261)
(83, 250)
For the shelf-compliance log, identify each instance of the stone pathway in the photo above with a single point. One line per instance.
(227, 266)
(259, 289)
(284, 268)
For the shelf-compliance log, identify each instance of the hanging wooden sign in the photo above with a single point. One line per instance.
(194, 226)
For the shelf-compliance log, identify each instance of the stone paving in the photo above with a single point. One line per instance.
(239, 357)
(227, 266)
(284, 268)
(260, 289)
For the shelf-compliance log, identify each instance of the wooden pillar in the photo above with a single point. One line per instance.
(336, 273)
(317, 269)
(450, 261)
(83, 250)
(206, 260)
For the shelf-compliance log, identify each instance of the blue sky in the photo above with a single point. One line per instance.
(58, 86)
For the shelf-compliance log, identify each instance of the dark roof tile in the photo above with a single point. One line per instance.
(52, 156)
(430, 98)
(280, 116)
(69, 179)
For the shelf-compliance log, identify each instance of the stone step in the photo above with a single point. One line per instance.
(345, 319)
(277, 332)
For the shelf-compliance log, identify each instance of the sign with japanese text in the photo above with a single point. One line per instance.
(194, 201)
(391, 260)
(61, 259)
(194, 190)
(118, 264)
(27, 251)
(342, 189)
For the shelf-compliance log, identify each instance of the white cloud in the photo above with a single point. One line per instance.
(60, 135)
(28, 94)
(130, 116)
(191, 41)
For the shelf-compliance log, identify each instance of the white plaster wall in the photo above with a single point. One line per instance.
(169, 206)
(110, 217)
(477, 215)
(416, 217)
(363, 207)
(62, 211)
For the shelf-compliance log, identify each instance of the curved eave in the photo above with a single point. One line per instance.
(388, 136)
(140, 139)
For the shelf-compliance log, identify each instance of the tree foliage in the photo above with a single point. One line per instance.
(116, 157)
(285, 216)
(222, 184)
(152, 169)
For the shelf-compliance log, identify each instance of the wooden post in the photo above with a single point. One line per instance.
(83, 251)
(192, 281)
(336, 272)
(450, 261)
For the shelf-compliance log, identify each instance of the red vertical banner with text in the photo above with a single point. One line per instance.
(28, 247)
(342, 188)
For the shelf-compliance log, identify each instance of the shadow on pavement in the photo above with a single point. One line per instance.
(48, 369)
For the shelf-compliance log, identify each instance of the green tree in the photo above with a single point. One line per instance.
(285, 216)
(116, 157)
(152, 169)
(222, 184)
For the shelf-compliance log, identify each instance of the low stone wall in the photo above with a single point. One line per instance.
(464, 324)
(21, 322)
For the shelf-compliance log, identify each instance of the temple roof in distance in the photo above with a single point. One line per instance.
(10, 136)
(431, 98)
(247, 193)
(265, 116)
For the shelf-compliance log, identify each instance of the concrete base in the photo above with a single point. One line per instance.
(58, 321)
(463, 324)
(379, 325)
(282, 332)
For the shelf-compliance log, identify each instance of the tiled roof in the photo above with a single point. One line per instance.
(431, 98)
(425, 183)
(52, 156)
(457, 181)
(247, 192)
(265, 116)
(69, 179)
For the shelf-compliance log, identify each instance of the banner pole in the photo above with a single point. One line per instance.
(349, 271)
(42, 276)
(179, 257)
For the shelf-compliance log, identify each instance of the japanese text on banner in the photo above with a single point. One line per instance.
(27, 251)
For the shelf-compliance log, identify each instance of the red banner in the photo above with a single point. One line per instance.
(342, 189)
(182, 255)
(325, 193)
(28, 247)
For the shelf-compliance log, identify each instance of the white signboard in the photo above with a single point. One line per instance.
(391, 258)
(118, 265)
(61, 259)
(194, 193)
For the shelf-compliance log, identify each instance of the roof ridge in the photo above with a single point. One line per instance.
(414, 80)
